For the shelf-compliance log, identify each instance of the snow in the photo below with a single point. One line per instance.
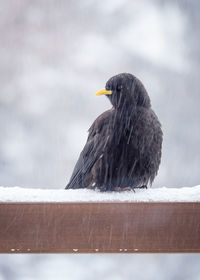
(17, 194)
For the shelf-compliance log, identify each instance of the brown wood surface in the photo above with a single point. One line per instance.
(99, 227)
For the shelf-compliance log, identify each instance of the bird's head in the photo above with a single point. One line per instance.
(125, 91)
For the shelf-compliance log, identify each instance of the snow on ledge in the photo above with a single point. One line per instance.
(17, 194)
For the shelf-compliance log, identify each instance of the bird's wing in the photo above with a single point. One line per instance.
(95, 146)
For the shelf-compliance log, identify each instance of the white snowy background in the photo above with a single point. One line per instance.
(54, 55)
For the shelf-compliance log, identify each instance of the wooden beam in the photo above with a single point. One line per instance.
(100, 227)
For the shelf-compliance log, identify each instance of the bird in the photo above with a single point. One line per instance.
(124, 145)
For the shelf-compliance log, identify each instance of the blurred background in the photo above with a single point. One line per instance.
(54, 56)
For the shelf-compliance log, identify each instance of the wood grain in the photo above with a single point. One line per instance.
(100, 227)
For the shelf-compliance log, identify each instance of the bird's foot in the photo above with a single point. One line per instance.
(141, 187)
(118, 189)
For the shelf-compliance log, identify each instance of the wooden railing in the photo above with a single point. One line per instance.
(134, 227)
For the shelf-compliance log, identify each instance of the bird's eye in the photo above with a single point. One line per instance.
(108, 87)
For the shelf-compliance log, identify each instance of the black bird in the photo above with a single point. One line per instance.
(123, 149)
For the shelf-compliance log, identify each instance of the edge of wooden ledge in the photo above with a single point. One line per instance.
(100, 227)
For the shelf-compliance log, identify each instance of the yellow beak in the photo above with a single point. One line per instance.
(103, 92)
